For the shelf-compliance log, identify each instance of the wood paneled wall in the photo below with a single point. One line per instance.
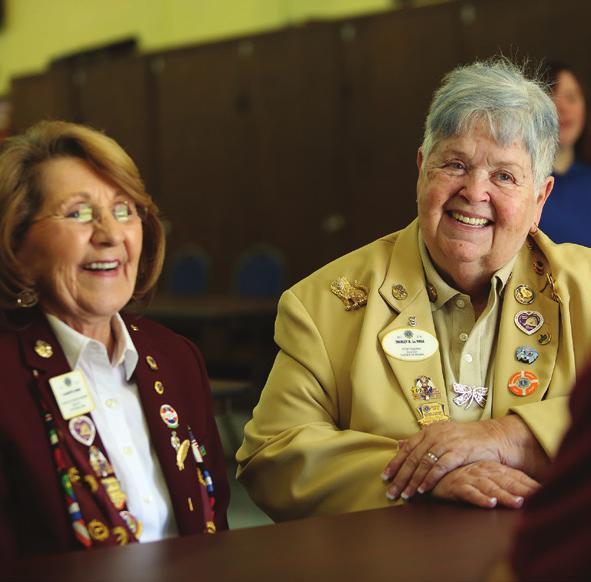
(304, 138)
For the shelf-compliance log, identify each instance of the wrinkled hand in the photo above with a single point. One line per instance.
(486, 484)
(438, 449)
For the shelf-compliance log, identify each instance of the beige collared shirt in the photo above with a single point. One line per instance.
(467, 346)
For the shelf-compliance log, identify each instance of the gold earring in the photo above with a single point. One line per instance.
(27, 298)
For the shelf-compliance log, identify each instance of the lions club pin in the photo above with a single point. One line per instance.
(169, 416)
(529, 321)
(523, 383)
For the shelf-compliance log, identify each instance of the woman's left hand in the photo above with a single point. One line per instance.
(439, 448)
(486, 484)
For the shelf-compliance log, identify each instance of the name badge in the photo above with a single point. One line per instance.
(410, 344)
(72, 394)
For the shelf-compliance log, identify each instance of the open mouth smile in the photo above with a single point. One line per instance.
(101, 266)
(471, 221)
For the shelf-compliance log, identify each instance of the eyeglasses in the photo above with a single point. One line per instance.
(122, 211)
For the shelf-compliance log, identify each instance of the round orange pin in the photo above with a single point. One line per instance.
(523, 383)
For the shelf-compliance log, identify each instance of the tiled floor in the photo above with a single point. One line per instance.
(242, 512)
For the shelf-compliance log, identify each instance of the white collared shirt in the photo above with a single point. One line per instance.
(120, 421)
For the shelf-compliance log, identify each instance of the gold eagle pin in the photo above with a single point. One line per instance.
(353, 295)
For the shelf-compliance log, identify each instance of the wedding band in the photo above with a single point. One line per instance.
(432, 457)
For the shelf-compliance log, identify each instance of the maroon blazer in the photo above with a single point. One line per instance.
(553, 538)
(33, 516)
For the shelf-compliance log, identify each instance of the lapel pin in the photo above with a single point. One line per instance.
(432, 293)
(523, 383)
(524, 294)
(353, 295)
(399, 292)
(529, 321)
(151, 362)
(526, 354)
(43, 349)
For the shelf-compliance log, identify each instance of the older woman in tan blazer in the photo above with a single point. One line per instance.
(439, 358)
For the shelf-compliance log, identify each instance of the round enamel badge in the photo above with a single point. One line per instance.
(523, 383)
(169, 416)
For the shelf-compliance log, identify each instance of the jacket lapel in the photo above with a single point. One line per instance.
(406, 269)
(157, 387)
(511, 337)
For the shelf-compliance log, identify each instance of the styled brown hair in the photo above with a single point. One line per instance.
(21, 197)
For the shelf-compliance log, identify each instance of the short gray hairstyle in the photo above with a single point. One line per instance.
(498, 93)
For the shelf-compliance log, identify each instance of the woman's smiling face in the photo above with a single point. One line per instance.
(85, 269)
(477, 201)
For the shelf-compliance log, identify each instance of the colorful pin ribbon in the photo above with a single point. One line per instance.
(78, 524)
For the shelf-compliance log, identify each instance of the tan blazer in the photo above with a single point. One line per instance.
(335, 403)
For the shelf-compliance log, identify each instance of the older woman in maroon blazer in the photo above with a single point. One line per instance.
(107, 434)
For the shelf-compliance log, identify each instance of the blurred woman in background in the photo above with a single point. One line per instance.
(565, 216)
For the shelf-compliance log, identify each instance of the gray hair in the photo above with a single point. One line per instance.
(498, 93)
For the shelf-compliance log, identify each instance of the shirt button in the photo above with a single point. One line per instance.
(463, 337)
(111, 403)
(468, 358)
(127, 451)
(461, 303)
(147, 499)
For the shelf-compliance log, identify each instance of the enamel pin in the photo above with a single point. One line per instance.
(430, 413)
(526, 354)
(424, 389)
(169, 416)
(523, 383)
(524, 294)
(529, 321)
(82, 429)
(99, 463)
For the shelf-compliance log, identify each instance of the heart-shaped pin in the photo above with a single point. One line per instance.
(82, 429)
(529, 321)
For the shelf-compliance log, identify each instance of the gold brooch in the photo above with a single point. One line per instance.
(353, 295)
(43, 349)
(399, 292)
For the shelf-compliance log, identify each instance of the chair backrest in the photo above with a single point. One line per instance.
(260, 272)
(189, 271)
